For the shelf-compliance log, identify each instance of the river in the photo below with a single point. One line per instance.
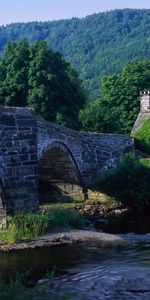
(118, 269)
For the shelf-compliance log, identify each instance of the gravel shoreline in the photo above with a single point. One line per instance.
(61, 236)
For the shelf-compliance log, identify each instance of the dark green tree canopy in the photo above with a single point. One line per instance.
(35, 76)
(118, 103)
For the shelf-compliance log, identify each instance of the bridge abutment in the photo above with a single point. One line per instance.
(18, 156)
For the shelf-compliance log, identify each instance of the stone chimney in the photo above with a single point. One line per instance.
(145, 101)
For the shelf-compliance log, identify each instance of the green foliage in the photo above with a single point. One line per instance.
(33, 75)
(27, 226)
(97, 45)
(118, 104)
(96, 118)
(128, 183)
(14, 74)
(142, 137)
(17, 290)
(145, 162)
(30, 226)
(66, 217)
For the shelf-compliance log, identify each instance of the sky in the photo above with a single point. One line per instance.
(12, 11)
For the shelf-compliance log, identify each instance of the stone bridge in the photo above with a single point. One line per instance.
(39, 157)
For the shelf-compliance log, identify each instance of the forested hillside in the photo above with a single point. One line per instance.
(97, 45)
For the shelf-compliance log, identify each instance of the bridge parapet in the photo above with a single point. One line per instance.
(102, 152)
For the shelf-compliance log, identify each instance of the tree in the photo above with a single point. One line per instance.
(99, 119)
(118, 103)
(35, 76)
(134, 78)
(14, 74)
(42, 94)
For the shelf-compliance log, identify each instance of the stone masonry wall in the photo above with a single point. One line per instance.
(18, 158)
(2, 198)
(101, 152)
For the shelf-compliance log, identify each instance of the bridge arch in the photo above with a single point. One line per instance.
(59, 174)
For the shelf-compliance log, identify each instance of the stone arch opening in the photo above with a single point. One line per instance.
(59, 175)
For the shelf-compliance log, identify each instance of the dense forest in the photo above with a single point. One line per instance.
(97, 45)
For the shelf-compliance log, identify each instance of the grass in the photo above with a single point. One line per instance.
(100, 198)
(17, 290)
(58, 205)
(142, 137)
(145, 162)
(94, 198)
(31, 226)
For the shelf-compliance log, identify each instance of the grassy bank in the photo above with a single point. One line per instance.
(31, 226)
(142, 137)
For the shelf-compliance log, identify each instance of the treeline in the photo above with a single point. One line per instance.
(35, 76)
(98, 45)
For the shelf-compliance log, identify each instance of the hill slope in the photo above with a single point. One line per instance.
(96, 45)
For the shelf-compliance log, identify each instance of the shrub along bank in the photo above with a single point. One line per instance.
(129, 183)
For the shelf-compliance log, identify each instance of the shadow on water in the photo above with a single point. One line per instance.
(137, 223)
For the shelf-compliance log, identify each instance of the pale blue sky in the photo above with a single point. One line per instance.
(42, 10)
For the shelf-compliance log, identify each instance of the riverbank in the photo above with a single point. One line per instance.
(64, 236)
(57, 237)
(66, 223)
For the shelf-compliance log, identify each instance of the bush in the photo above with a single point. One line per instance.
(142, 137)
(129, 183)
(66, 217)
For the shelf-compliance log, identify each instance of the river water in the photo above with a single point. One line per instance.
(118, 269)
